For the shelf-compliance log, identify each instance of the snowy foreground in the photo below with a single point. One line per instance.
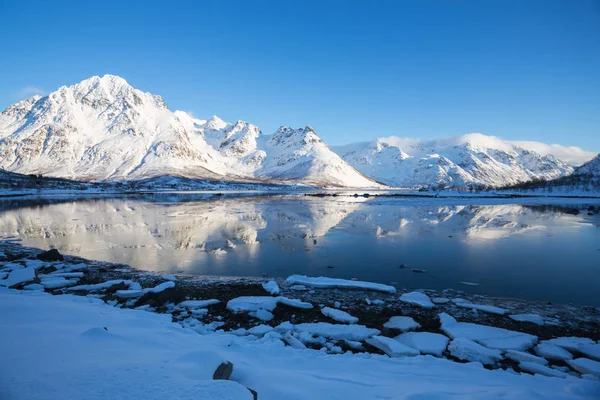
(74, 347)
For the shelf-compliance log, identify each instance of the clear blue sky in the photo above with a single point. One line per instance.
(525, 69)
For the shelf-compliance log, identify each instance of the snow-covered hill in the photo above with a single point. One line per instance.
(104, 129)
(468, 160)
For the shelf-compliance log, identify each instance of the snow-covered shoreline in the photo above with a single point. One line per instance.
(321, 325)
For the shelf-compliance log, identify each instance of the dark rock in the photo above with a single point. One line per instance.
(418, 270)
(223, 371)
(50, 255)
(254, 393)
(402, 266)
(330, 266)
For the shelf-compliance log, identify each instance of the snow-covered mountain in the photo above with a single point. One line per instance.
(104, 129)
(468, 160)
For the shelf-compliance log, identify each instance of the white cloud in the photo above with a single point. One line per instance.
(29, 91)
(570, 154)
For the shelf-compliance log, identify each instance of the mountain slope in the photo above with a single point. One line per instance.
(104, 129)
(455, 162)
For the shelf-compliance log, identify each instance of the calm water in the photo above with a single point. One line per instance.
(536, 252)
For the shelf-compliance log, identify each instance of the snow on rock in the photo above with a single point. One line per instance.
(324, 282)
(337, 331)
(468, 350)
(533, 318)
(143, 365)
(339, 315)
(18, 276)
(36, 264)
(402, 323)
(537, 368)
(129, 293)
(552, 352)
(585, 366)
(521, 356)
(425, 342)
(161, 287)
(489, 336)
(56, 283)
(417, 298)
(590, 350)
(197, 303)
(571, 343)
(392, 347)
(482, 307)
(105, 285)
(252, 303)
(271, 287)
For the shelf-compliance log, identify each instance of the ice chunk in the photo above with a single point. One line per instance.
(417, 298)
(392, 347)
(169, 277)
(489, 336)
(570, 342)
(521, 356)
(585, 366)
(552, 352)
(284, 327)
(294, 303)
(252, 303)
(469, 283)
(482, 307)
(260, 330)
(536, 368)
(337, 331)
(35, 264)
(401, 323)
(105, 285)
(590, 350)
(18, 276)
(58, 283)
(468, 350)
(354, 344)
(60, 274)
(264, 315)
(533, 318)
(425, 342)
(440, 300)
(271, 287)
(33, 286)
(339, 315)
(324, 282)
(292, 341)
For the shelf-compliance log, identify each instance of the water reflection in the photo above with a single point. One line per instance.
(508, 248)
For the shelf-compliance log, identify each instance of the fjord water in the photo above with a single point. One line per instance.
(538, 252)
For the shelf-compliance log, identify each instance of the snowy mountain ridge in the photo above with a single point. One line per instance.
(104, 129)
(468, 160)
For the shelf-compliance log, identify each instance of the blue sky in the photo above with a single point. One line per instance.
(520, 70)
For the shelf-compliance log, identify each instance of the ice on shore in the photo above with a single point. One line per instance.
(106, 285)
(161, 287)
(337, 331)
(552, 352)
(488, 336)
(468, 350)
(18, 275)
(324, 282)
(197, 303)
(271, 287)
(339, 315)
(482, 307)
(402, 323)
(533, 318)
(585, 366)
(590, 350)
(571, 343)
(521, 356)
(417, 298)
(392, 347)
(425, 342)
(252, 303)
(537, 368)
